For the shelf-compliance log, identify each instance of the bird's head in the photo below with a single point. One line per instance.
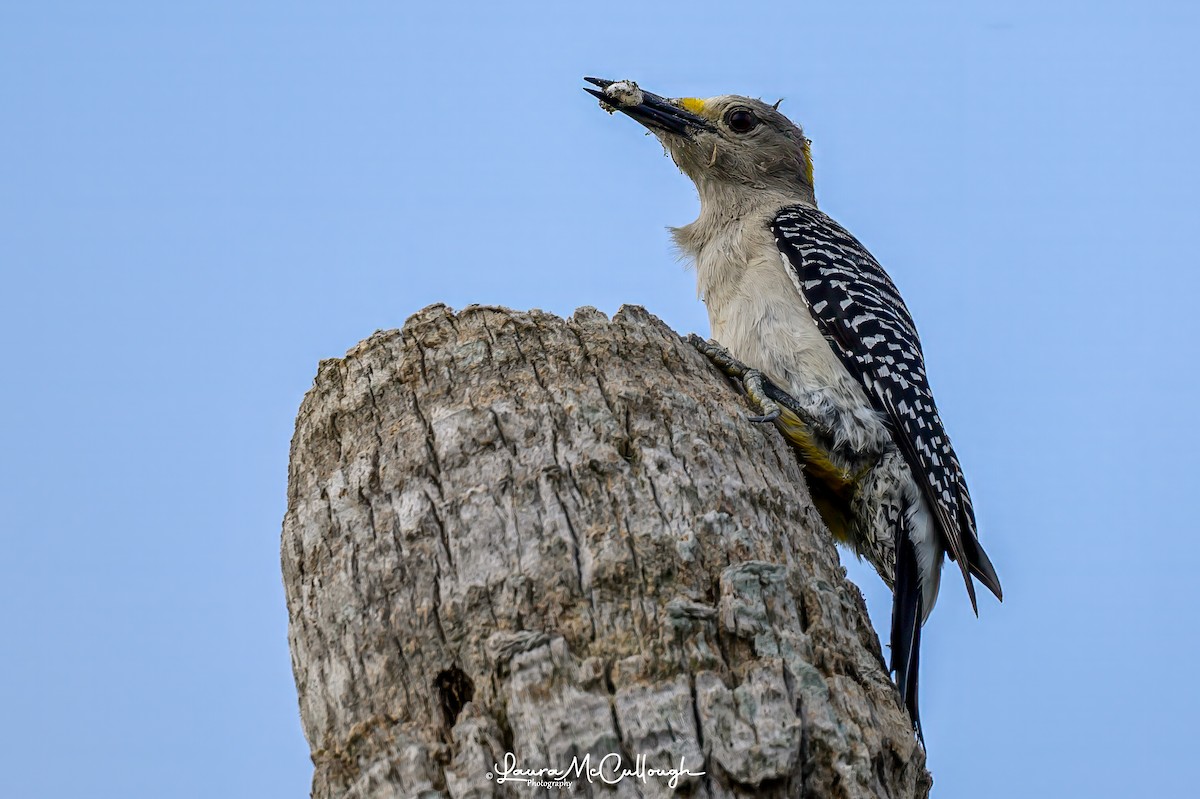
(726, 141)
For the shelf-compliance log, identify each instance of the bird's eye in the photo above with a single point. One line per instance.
(741, 120)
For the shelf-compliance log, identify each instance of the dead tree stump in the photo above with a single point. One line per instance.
(561, 539)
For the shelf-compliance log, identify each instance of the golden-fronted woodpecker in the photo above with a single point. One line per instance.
(824, 346)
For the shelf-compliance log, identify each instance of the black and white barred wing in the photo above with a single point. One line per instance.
(865, 321)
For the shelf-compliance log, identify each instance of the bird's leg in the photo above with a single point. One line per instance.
(752, 381)
(766, 397)
(801, 428)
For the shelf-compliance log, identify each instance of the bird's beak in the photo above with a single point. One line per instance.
(656, 113)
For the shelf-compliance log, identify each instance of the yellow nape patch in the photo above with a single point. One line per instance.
(692, 104)
(808, 165)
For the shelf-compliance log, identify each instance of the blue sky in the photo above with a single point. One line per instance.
(198, 201)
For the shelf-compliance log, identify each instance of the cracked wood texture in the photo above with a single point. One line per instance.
(561, 538)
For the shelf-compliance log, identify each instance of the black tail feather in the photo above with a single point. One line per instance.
(981, 566)
(906, 626)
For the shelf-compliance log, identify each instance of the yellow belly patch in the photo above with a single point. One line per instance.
(816, 457)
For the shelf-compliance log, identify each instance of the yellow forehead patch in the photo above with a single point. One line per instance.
(692, 104)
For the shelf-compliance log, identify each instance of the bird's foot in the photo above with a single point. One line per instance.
(753, 382)
(799, 426)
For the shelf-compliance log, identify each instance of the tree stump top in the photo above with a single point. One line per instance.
(516, 534)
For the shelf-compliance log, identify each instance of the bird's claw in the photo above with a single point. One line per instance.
(769, 410)
(720, 357)
(752, 381)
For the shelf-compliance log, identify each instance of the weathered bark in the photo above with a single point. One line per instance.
(572, 525)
